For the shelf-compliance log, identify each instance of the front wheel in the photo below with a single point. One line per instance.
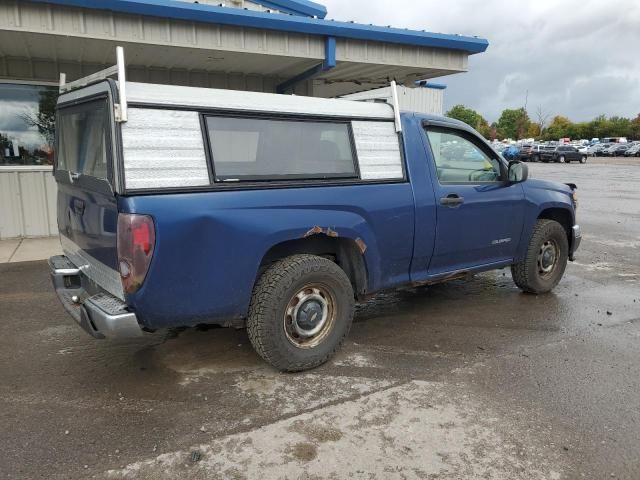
(583, 159)
(562, 159)
(301, 311)
(546, 258)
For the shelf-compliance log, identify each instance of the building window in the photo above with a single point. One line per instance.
(269, 149)
(27, 124)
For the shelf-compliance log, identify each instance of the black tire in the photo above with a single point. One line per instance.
(272, 331)
(536, 158)
(561, 159)
(583, 159)
(528, 275)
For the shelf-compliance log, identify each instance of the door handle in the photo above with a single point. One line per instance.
(73, 176)
(452, 200)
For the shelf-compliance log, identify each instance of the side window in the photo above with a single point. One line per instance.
(458, 160)
(82, 139)
(266, 149)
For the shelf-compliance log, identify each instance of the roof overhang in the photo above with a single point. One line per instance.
(197, 12)
(175, 42)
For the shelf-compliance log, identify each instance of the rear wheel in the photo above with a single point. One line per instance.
(561, 159)
(546, 258)
(301, 311)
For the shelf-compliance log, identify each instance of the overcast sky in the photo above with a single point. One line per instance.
(578, 58)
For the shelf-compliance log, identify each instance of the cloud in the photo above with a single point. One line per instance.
(571, 57)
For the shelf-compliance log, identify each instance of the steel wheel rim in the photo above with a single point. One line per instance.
(302, 325)
(548, 256)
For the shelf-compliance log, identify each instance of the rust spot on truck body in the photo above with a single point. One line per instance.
(329, 232)
(317, 230)
(361, 245)
(314, 231)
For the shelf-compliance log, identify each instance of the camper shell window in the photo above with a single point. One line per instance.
(255, 149)
(83, 138)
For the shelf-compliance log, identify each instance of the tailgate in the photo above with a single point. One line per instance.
(87, 208)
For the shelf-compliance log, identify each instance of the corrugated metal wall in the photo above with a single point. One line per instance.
(27, 202)
(420, 100)
(423, 100)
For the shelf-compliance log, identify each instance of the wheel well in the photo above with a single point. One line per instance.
(345, 252)
(560, 215)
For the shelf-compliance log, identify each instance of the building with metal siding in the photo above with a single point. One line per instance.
(284, 46)
(424, 97)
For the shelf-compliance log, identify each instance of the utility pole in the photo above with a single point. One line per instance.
(521, 129)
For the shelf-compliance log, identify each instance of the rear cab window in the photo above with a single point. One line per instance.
(258, 149)
(83, 138)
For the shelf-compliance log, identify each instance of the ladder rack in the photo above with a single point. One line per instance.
(118, 69)
(396, 105)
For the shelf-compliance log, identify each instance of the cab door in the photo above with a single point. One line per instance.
(479, 213)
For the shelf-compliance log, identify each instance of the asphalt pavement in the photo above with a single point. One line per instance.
(464, 380)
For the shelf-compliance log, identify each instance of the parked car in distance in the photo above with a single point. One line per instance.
(595, 150)
(605, 151)
(633, 151)
(563, 154)
(276, 213)
(583, 149)
(615, 150)
(531, 153)
(524, 152)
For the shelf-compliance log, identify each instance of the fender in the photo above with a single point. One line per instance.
(542, 195)
(337, 224)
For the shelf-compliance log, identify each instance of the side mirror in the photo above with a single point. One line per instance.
(518, 171)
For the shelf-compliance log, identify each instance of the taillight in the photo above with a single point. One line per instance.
(136, 240)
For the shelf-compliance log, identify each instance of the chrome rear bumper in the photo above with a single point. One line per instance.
(576, 238)
(98, 313)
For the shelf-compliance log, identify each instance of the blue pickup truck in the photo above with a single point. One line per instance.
(180, 206)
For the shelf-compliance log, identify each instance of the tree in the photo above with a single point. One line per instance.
(620, 126)
(558, 128)
(467, 115)
(534, 130)
(494, 131)
(541, 119)
(485, 130)
(513, 123)
(634, 130)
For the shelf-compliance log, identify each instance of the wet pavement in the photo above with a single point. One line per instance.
(469, 379)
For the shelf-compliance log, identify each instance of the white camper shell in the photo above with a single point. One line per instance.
(175, 137)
